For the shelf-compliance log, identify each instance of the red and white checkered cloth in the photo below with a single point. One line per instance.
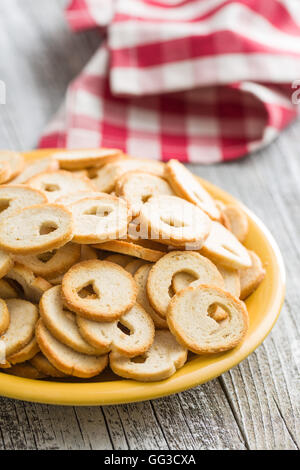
(198, 80)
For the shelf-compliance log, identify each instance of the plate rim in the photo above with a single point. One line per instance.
(108, 393)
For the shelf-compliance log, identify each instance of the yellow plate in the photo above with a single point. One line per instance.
(263, 307)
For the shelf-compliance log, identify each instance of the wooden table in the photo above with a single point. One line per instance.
(253, 406)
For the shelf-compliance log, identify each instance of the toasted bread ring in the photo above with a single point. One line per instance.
(161, 274)
(174, 221)
(190, 323)
(130, 335)
(114, 290)
(50, 227)
(99, 218)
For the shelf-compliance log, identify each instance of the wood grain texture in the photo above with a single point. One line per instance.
(254, 406)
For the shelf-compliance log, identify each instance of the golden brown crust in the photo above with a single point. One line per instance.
(52, 263)
(99, 218)
(222, 247)
(23, 316)
(19, 237)
(26, 371)
(114, 290)
(26, 283)
(164, 357)
(130, 335)
(144, 249)
(66, 359)
(26, 353)
(190, 323)
(174, 221)
(86, 158)
(41, 363)
(6, 263)
(141, 278)
(62, 324)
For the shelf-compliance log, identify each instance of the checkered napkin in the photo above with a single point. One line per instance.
(198, 80)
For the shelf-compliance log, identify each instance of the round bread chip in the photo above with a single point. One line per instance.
(189, 320)
(25, 354)
(144, 249)
(41, 363)
(130, 335)
(188, 187)
(237, 221)
(99, 219)
(62, 323)
(141, 279)
(131, 267)
(161, 275)
(174, 221)
(67, 360)
(85, 158)
(7, 291)
(4, 317)
(223, 247)
(251, 277)
(26, 283)
(98, 290)
(52, 263)
(137, 187)
(56, 184)
(121, 260)
(26, 371)
(5, 172)
(164, 357)
(36, 229)
(6, 263)
(106, 177)
(23, 317)
(14, 197)
(15, 161)
(45, 164)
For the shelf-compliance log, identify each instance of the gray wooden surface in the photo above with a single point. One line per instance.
(256, 404)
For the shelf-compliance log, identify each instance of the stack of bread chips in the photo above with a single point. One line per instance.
(112, 261)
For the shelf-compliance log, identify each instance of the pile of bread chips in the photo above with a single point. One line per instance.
(112, 261)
